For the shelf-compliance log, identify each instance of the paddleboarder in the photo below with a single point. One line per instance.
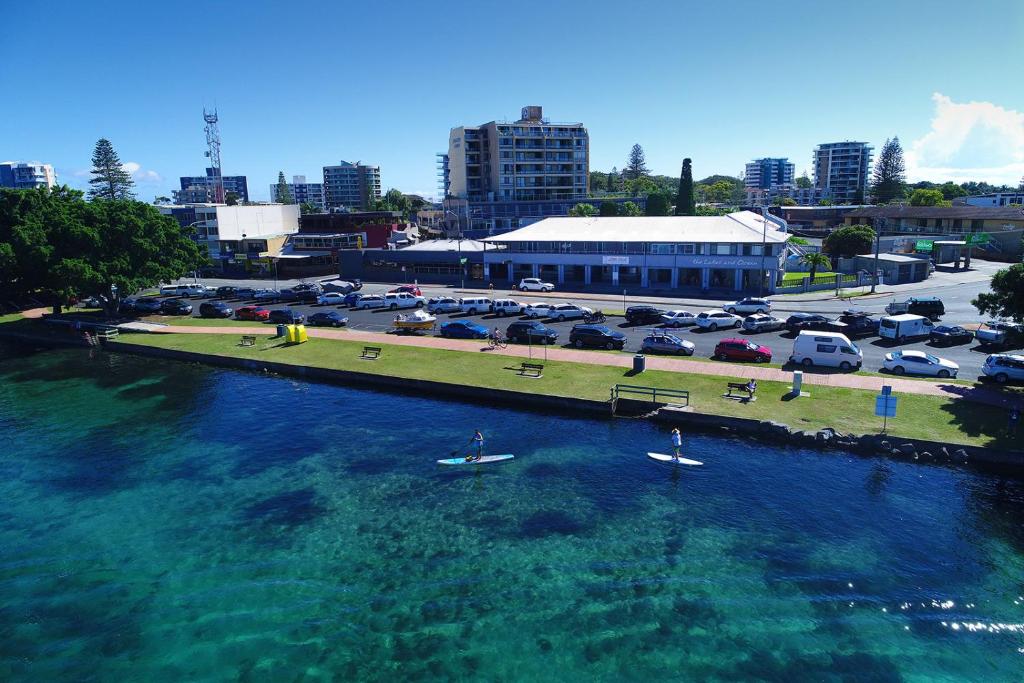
(677, 443)
(476, 440)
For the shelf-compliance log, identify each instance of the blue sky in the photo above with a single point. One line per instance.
(300, 85)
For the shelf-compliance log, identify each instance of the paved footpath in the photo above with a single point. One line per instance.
(851, 381)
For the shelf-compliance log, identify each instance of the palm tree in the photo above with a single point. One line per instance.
(815, 260)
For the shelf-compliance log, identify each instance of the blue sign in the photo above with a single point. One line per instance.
(885, 405)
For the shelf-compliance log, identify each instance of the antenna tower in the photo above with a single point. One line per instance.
(216, 180)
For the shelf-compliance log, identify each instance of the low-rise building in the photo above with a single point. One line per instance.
(727, 254)
(25, 176)
(938, 220)
(773, 196)
(993, 199)
(812, 219)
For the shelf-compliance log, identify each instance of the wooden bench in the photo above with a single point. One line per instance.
(535, 369)
(741, 386)
(371, 352)
(248, 340)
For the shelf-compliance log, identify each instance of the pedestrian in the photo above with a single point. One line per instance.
(1012, 419)
(477, 440)
(677, 443)
(490, 286)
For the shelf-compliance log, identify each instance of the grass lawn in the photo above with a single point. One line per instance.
(9, 318)
(848, 410)
(797, 278)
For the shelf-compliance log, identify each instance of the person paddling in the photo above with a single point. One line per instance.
(476, 440)
(677, 443)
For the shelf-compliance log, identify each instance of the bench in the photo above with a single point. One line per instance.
(535, 369)
(371, 352)
(248, 340)
(741, 386)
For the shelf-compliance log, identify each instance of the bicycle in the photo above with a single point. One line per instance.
(496, 342)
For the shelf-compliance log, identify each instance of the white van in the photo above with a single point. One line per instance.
(827, 349)
(904, 327)
(476, 304)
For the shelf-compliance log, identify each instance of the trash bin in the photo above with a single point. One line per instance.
(301, 336)
(292, 335)
(639, 363)
(282, 330)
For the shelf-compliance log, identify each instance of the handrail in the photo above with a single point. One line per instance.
(652, 392)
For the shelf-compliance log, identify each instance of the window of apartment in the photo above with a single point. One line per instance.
(752, 249)
(663, 248)
(720, 249)
(687, 249)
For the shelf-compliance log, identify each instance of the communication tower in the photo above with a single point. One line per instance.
(216, 179)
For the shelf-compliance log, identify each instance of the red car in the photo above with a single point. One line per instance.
(411, 289)
(252, 313)
(742, 349)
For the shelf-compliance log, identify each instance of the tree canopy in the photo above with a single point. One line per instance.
(284, 195)
(803, 182)
(657, 204)
(815, 261)
(928, 198)
(637, 165)
(56, 245)
(608, 209)
(685, 203)
(889, 178)
(851, 240)
(109, 179)
(582, 210)
(1006, 300)
(630, 209)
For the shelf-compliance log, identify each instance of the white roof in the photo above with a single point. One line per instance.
(741, 226)
(447, 245)
(895, 258)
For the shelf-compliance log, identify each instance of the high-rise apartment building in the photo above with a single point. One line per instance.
(302, 192)
(200, 190)
(493, 171)
(842, 168)
(763, 174)
(350, 185)
(25, 176)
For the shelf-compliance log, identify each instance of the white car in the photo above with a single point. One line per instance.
(919, 363)
(331, 299)
(563, 312)
(716, 318)
(538, 309)
(762, 322)
(505, 307)
(396, 300)
(679, 318)
(443, 304)
(370, 301)
(534, 284)
(748, 306)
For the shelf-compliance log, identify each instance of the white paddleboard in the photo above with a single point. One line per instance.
(482, 461)
(661, 457)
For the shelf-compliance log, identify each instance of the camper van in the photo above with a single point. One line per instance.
(826, 349)
(904, 327)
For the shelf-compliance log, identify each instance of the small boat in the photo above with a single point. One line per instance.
(417, 320)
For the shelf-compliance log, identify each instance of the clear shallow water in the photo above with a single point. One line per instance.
(168, 522)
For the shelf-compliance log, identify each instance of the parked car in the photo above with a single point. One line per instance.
(257, 313)
(854, 324)
(531, 332)
(328, 318)
(443, 304)
(309, 287)
(563, 312)
(829, 349)
(904, 327)
(713, 319)
(505, 307)
(90, 302)
(643, 315)
(534, 284)
(1004, 367)
(175, 307)
(331, 299)
(245, 293)
(464, 329)
(596, 335)
(748, 306)
(173, 290)
(762, 322)
(341, 286)
(538, 310)
(215, 309)
(286, 315)
(267, 295)
(808, 321)
(408, 289)
(664, 342)
(351, 299)
(930, 307)
(742, 350)
(919, 363)
(471, 305)
(948, 335)
(227, 292)
(370, 301)
(1000, 333)
(127, 307)
(308, 296)
(148, 304)
(678, 318)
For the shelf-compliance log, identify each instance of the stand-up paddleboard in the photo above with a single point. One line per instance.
(661, 457)
(482, 461)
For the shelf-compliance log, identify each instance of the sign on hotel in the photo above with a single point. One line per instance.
(615, 260)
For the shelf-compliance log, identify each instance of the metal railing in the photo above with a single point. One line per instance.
(651, 394)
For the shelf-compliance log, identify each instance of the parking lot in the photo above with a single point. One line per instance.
(970, 356)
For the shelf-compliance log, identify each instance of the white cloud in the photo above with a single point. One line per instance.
(969, 141)
(139, 174)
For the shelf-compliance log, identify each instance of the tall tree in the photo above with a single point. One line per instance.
(685, 204)
(889, 179)
(1006, 300)
(815, 260)
(611, 180)
(637, 166)
(284, 195)
(849, 241)
(110, 179)
(657, 204)
(928, 198)
(803, 182)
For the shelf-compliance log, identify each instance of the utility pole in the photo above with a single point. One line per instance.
(874, 274)
(764, 240)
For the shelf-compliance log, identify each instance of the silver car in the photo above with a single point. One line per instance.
(762, 322)
(666, 343)
(370, 301)
(443, 304)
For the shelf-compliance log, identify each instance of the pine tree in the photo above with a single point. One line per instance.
(889, 178)
(284, 195)
(685, 205)
(637, 166)
(611, 180)
(110, 180)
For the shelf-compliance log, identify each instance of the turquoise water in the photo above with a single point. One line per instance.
(169, 522)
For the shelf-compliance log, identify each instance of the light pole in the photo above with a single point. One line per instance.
(874, 274)
(764, 240)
